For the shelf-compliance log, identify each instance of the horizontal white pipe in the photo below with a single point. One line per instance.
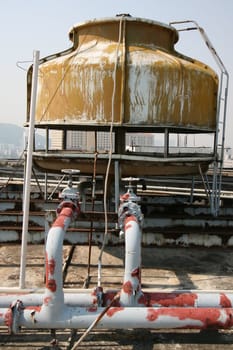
(198, 299)
(124, 318)
(70, 299)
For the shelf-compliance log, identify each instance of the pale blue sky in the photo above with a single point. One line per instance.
(27, 25)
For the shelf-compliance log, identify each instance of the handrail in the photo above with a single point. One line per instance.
(220, 115)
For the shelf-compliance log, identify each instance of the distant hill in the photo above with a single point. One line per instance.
(14, 135)
(11, 134)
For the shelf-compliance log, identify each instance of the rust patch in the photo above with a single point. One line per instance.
(47, 300)
(128, 288)
(225, 301)
(113, 310)
(51, 266)
(136, 273)
(51, 285)
(60, 220)
(8, 319)
(128, 221)
(33, 307)
(173, 299)
(209, 318)
(92, 308)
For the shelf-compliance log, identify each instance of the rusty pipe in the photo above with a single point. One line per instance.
(179, 298)
(131, 289)
(53, 301)
(123, 318)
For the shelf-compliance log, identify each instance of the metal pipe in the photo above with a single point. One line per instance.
(95, 322)
(37, 299)
(119, 318)
(131, 289)
(53, 302)
(26, 199)
(130, 218)
(198, 299)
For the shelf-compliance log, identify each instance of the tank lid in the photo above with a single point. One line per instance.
(127, 17)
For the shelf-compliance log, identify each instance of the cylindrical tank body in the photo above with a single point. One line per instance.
(126, 69)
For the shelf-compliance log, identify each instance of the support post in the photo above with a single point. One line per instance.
(27, 185)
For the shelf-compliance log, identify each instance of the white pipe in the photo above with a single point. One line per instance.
(123, 318)
(27, 185)
(70, 299)
(53, 303)
(131, 289)
(117, 180)
(198, 299)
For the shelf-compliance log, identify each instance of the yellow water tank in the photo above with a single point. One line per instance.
(125, 70)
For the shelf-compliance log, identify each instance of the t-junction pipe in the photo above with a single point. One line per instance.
(134, 309)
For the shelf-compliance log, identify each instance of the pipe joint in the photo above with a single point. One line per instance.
(69, 204)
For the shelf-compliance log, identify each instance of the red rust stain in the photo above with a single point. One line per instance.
(60, 220)
(51, 266)
(136, 273)
(152, 315)
(47, 300)
(107, 298)
(128, 288)
(209, 318)
(51, 285)
(94, 301)
(113, 310)
(128, 221)
(225, 301)
(145, 300)
(128, 226)
(92, 308)
(35, 308)
(173, 299)
(124, 197)
(8, 318)
(130, 218)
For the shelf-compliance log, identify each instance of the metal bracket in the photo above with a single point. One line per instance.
(17, 307)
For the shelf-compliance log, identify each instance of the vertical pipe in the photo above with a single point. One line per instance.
(117, 180)
(26, 199)
(53, 303)
(166, 143)
(131, 289)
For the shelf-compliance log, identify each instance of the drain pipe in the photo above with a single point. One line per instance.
(130, 223)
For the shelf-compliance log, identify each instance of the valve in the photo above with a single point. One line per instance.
(129, 204)
(130, 195)
(69, 193)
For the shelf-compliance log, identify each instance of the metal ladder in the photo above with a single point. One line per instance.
(219, 141)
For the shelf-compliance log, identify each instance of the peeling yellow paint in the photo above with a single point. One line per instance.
(156, 85)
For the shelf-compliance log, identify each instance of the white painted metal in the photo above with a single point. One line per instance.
(131, 290)
(125, 318)
(27, 185)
